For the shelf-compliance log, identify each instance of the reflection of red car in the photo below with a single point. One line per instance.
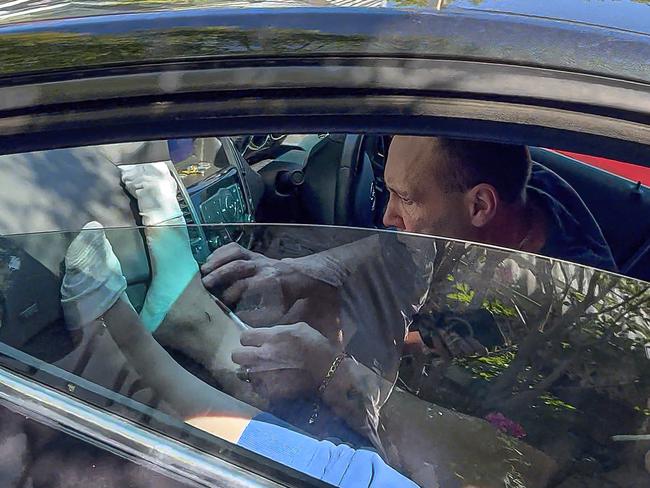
(626, 170)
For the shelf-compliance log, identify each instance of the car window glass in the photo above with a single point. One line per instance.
(542, 363)
(320, 324)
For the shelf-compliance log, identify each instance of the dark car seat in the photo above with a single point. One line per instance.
(339, 182)
(621, 208)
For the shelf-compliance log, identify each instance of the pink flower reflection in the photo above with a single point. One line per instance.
(505, 425)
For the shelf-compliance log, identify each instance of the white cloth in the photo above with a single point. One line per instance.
(93, 279)
(155, 189)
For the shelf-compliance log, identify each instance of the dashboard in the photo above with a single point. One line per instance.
(222, 202)
(212, 190)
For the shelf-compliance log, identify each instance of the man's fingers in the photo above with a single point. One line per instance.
(262, 335)
(245, 356)
(258, 337)
(233, 294)
(224, 276)
(225, 254)
(261, 317)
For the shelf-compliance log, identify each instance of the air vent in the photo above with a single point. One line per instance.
(197, 240)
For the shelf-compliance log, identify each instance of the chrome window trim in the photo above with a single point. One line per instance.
(121, 436)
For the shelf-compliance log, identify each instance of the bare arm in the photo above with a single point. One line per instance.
(188, 395)
(214, 412)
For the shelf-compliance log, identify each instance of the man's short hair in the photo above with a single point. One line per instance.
(468, 163)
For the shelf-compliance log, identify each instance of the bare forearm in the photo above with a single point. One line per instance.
(196, 326)
(464, 451)
(186, 393)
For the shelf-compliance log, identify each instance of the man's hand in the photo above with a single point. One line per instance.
(285, 361)
(235, 273)
(265, 291)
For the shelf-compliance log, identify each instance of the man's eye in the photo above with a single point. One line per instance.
(406, 201)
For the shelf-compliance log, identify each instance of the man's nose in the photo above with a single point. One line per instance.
(391, 218)
(387, 220)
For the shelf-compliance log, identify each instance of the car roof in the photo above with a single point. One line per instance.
(142, 32)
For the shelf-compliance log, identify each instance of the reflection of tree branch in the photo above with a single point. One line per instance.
(567, 281)
(571, 317)
(558, 303)
(557, 323)
(527, 396)
(616, 321)
(506, 380)
(492, 262)
(545, 384)
(627, 302)
(445, 262)
(518, 294)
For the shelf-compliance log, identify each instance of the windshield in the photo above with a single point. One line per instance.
(457, 363)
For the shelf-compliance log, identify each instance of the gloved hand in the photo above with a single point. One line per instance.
(172, 263)
(155, 189)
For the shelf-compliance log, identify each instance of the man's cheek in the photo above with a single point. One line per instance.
(416, 221)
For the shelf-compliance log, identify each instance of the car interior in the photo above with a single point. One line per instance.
(352, 192)
(324, 179)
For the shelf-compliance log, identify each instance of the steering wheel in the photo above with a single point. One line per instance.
(359, 181)
(256, 147)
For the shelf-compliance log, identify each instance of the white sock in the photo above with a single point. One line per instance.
(172, 264)
(93, 279)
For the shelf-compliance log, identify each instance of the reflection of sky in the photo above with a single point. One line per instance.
(21, 10)
(624, 14)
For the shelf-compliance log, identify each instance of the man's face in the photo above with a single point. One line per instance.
(418, 202)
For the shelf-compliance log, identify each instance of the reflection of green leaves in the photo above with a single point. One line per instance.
(642, 410)
(576, 295)
(574, 351)
(499, 309)
(498, 361)
(462, 294)
(487, 367)
(556, 403)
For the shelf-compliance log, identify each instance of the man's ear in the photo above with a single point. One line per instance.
(482, 202)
